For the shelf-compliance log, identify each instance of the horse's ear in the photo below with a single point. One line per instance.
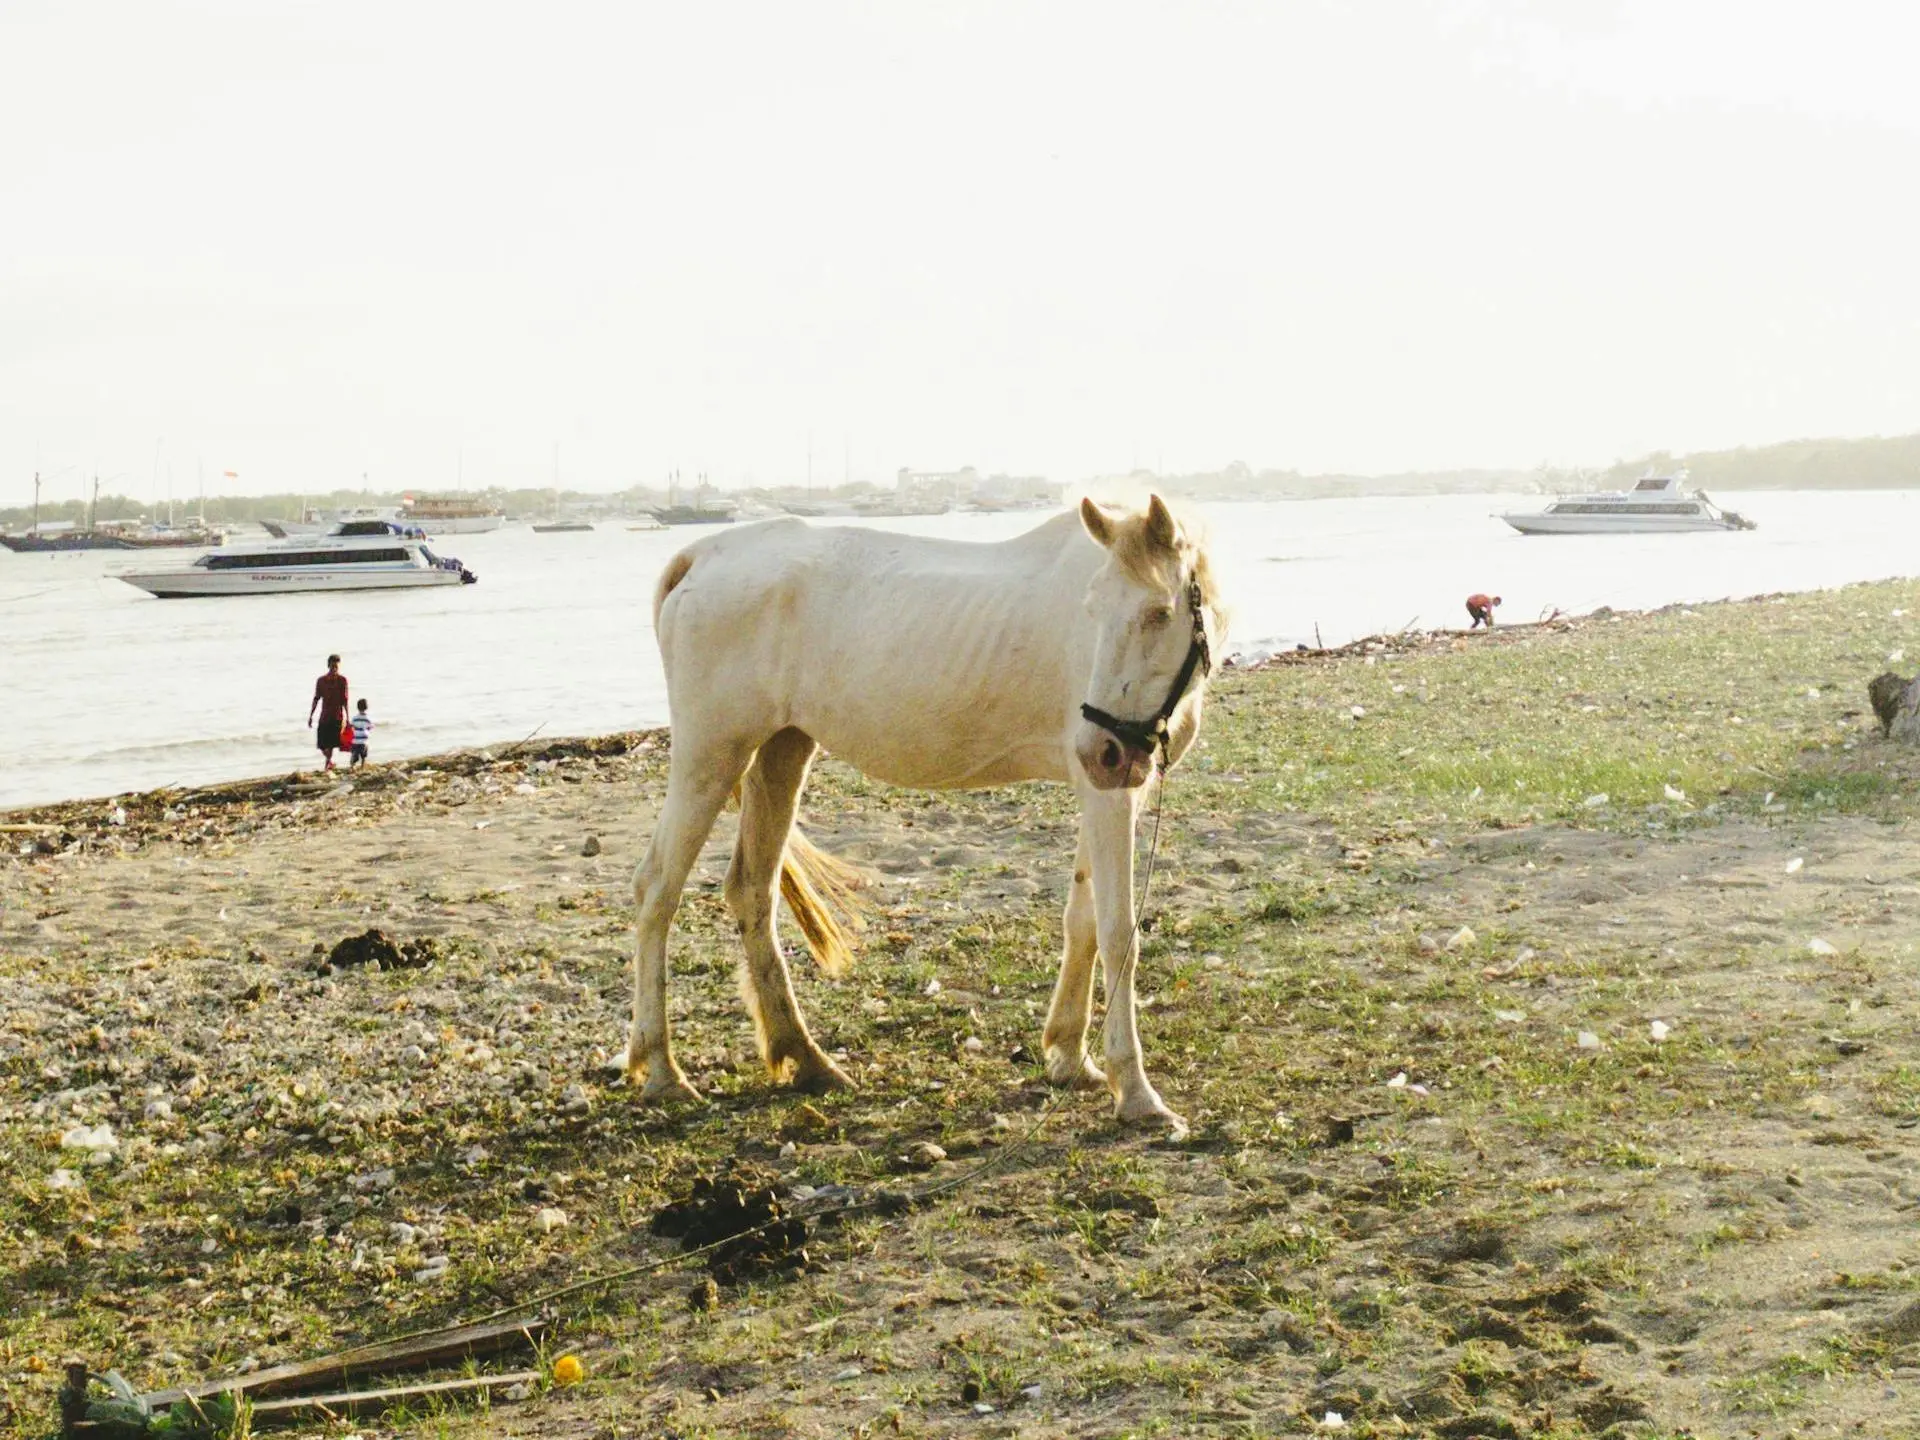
(1099, 524)
(1162, 528)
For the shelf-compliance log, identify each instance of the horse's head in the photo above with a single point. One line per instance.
(1153, 645)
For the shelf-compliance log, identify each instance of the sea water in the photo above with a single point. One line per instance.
(111, 690)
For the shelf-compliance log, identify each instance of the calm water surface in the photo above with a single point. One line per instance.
(114, 690)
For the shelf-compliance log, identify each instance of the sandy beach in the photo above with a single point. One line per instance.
(1544, 1003)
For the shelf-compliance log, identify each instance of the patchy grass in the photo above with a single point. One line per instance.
(1724, 703)
(1445, 1176)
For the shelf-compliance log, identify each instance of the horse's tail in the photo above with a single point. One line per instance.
(670, 577)
(815, 885)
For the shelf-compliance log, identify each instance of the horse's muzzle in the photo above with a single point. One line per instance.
(1111, 763)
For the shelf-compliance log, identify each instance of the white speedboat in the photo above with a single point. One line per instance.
(1657, 504)
(359, 555)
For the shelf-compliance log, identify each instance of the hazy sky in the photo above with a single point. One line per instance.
(307, 241)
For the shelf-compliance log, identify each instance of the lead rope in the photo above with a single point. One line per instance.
(1142, 921)
(1144, 924)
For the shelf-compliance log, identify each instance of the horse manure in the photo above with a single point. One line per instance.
(419, 953)
(376, 947)
(741, 1215)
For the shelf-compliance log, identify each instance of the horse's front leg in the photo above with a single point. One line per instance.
(1107, 822)
(1064, 1041)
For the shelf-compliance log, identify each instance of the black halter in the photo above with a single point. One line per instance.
(1151, 735)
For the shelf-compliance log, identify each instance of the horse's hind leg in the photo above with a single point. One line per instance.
(697, 786)
(769, 796)
(1064, 1040)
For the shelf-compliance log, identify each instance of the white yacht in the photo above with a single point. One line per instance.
(1657, 504)
(314, 521)
(358, 555)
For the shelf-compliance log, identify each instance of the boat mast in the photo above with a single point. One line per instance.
(93, 505)
(36, 502)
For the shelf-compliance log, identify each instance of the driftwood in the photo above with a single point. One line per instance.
(435, 1347)
(356, 1403)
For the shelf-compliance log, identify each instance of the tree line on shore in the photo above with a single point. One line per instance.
(1871, 463)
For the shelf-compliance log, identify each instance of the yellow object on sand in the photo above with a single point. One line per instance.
(568, 1370)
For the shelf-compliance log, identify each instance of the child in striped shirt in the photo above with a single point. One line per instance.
(362, 727)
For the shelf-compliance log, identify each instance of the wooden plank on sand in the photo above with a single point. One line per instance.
(435, 1347)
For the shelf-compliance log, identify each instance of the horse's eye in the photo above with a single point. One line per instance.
(1160, 615)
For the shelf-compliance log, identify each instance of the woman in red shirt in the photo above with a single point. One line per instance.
(330, 698)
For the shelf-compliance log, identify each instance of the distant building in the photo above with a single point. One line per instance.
(966, 488)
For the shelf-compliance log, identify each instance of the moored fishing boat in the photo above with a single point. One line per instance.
(110, 536)
(701, 512)
(693, 515)
(452, 513)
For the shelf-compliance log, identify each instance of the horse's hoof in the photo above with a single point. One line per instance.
(1150, 1111)
(658, 1087)
(817, 1075)
(1075, 1072)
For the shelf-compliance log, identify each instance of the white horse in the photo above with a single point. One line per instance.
(931, 663)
